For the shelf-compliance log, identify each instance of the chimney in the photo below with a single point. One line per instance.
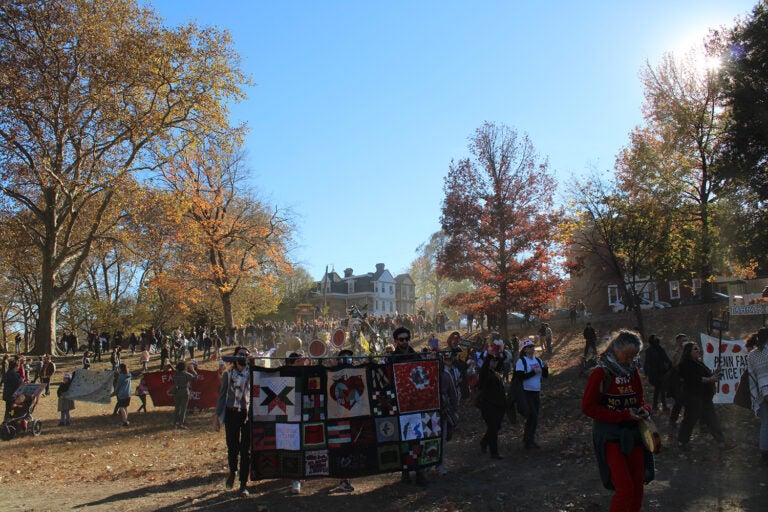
(347, 272)
(379, 267)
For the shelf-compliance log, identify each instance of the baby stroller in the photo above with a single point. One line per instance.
(20, 416)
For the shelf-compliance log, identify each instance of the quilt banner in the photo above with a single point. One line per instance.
(345, 421)
(91, 386)
(203, 394)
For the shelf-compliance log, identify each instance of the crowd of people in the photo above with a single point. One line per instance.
(483, 370)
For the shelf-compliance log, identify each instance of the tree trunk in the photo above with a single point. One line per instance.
(706, 263)
(226, 304)
(503, 326)
(45, 330)
(640, 327)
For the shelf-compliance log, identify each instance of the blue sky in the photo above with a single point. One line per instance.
(361, 105)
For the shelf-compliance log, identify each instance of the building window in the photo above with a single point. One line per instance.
(350, 286)
(674, 289)
(391, 290)
(613, 294)
(695, 286)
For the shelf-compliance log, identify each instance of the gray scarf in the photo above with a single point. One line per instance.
(609, 362)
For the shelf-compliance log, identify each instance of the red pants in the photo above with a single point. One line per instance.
(627, 474)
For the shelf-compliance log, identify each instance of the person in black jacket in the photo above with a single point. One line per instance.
(492, 403)
(699, 382)
(590, 341)
(657, 364)
(11, 382)
(404, 352)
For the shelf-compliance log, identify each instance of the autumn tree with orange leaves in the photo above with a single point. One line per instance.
(92, 91)
(232, 242)
(501, 226)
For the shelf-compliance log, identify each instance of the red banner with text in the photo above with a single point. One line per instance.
(204, 391)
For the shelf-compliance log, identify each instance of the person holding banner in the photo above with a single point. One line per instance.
(404, 352)
(757, 366)
(232, 410)
(699, 382)
(449, 404)
(185, 373)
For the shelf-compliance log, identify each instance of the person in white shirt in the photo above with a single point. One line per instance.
(530, 370)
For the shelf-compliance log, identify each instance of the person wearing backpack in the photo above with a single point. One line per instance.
(530, 369)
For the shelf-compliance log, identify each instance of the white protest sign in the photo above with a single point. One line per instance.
(732, 361)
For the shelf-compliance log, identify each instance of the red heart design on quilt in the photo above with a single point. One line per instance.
(347, 391)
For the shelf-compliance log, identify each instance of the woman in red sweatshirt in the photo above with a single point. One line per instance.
(614, 399)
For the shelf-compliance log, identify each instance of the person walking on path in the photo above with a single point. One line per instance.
(86, 359)
(530, 370)
(449, 405)
(699, 382)
(46, 373)
(590, 340)
(757, 365)
(6, 364)
(492, 403)
(673, 383)
(65, 404)
(657, 364)
(232, 410)
(144, 359)
(614, 399)
(142, 391)
(11, 382)
(123, 393)
(115, 359)
(404, 352)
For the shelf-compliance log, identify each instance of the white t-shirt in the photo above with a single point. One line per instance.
(533, 383)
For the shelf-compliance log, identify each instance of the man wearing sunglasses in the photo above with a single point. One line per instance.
(402, 337)
(404, 352)
(232, 409)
